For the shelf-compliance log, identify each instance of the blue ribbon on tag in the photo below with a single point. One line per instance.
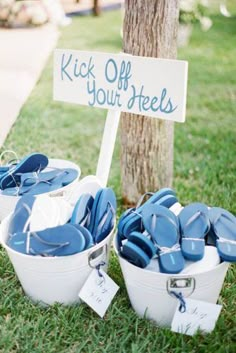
(102, 263)
(179, 296)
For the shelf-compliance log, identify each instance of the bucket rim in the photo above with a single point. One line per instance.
(177, 275)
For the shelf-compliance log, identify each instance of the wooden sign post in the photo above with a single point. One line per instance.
(119, 82)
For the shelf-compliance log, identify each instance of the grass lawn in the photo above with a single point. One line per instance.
(204, 169)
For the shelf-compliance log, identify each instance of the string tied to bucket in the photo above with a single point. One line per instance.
(98, 267)
(182, 302)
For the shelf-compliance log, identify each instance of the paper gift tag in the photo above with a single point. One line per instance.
(98, 291)
(199, 315)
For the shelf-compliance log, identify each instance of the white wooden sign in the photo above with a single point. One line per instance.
(120, 82)
(140, 85)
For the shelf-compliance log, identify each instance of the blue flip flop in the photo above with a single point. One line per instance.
(82, 210)
(143, 242)
(133, 222)
(132, 217)
(41, 185)
(223, 225)
(135, 255)
(87, 236)
(32, 163)
(103, 214)
(163, 227)
(60, 176)
(21, 214)
(58, 241)
(194, 224)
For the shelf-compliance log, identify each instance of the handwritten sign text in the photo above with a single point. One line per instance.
(146, 86)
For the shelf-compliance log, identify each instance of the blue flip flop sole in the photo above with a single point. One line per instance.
(223, 224)
(41, 187)
(82, 210)
(94, 210)
(143, 242)
(103, 214)
(194, 223)
(59, 176)
(58, 241)
(163, 227)
(21, 214)
(87, 236)
(135, 255)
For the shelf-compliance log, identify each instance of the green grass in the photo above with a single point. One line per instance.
(204, 167)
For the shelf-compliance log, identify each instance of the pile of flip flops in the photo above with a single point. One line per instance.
(32, 175)
(46, 226)
(162, 235)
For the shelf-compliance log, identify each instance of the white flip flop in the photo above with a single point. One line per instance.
(88, 185)
(209, 261)
(65, 210)
(45, 213)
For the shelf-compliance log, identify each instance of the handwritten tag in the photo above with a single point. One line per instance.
(98, 292)
(199, 315)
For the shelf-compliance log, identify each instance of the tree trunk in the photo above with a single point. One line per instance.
(150, 29)
(96, 8)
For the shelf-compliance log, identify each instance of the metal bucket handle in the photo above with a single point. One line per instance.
(96, 256)
(180, 283)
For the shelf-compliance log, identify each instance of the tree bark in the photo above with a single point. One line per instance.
(96, 8)
(150, 29)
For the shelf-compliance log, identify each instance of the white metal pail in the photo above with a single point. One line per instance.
(149, 291)
(55, 279)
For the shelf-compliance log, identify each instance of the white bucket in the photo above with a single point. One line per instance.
(8, 203)
(149, 291)
(55, 279)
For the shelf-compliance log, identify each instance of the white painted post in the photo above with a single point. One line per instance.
(107, 147)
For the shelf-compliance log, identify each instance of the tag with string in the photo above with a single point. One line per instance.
(99, 290)
(193, 315)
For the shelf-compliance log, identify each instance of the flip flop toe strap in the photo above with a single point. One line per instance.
(28, 210)
(21, 191)
(140, 201)
(169, 219)
(194, 217)
(226, 241)
(34, 177)
(222, 215)
(221, 239)
(110, 209)
(193, 239)
(136, 213)
(165, 250)
(87, 218)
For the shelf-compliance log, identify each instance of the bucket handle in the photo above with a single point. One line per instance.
(97, 256)
(180, 283)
